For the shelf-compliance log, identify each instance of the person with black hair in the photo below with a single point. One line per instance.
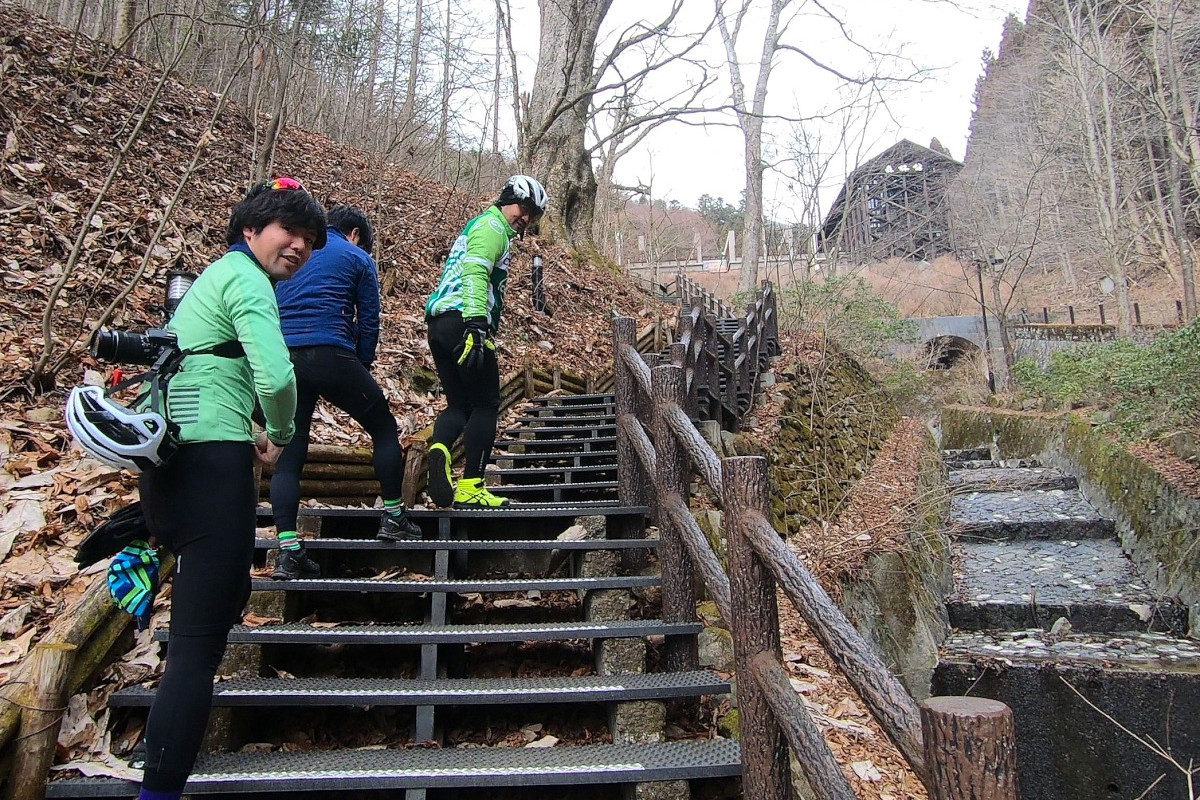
(201, 502)
(330, 318)
(463, 313)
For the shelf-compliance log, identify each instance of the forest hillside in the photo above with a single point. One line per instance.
(80, 123)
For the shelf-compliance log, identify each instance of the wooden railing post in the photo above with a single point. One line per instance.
(632, 482)
(755, 630)
(671, 484)
(770, 318)
(530, 391)
(970, 749)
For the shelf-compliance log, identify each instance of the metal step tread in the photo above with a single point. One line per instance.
(1136, 652)
(466, 544)
(545, 412)
(552, 411)
(594, 440)
(459, 585)
(347, 770)
(326, 691)
(567, 419)
(352, 633)
(562, 509)
(533, 471)
(564, 400)
(610, 457)
(511, 488)
(558, 430)
(1091, 582)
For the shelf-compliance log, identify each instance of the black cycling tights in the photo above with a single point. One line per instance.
(472, 396)
(200, 504)
(337, 375)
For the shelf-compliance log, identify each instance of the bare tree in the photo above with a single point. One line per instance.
(569, 85)
(731, 17)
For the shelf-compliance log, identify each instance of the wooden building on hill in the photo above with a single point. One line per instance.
(893, 206)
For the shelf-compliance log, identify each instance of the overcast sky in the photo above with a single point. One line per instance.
(948, 38)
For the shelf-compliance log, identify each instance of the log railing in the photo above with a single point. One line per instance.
(658, 448)
(721, 368)
(690, 291)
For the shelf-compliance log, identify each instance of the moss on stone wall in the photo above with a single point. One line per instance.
(833, 423)
(1158, 523)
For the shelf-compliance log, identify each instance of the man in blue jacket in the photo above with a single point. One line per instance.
(329, 314)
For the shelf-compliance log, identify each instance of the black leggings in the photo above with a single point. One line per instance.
(200, 504)
(337, 375)
(472, 396)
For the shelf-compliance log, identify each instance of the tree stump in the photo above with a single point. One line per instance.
(44, 704)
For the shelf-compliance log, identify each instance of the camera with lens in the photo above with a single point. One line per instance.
(146, 348)
(124, 347)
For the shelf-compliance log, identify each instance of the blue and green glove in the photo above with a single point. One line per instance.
(476, 342)
(133, 581)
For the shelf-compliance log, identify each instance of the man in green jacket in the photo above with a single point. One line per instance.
(463, 313)
(201, 502)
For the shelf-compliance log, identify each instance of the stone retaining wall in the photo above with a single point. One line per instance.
(898, 604)
(834, 420)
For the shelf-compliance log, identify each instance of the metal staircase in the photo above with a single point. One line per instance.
(396, 620)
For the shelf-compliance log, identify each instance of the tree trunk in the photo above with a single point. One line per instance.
(414, 72)
(266, 156)
(555, 148)
(368, 110)
(444, 117)
(123, 35)
(752, 226)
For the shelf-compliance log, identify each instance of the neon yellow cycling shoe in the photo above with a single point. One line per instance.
(473, 493)
(441, 483)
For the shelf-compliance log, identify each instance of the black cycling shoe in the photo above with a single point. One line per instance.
(398, 528)
(295, 564)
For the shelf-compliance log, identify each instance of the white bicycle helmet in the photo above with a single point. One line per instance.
(525, 190)
(116, 435)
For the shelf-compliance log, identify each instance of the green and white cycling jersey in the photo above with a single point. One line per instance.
(212, 398)
(476, 273)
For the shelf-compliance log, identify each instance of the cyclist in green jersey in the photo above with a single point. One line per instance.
(463, 313)
(201, 501)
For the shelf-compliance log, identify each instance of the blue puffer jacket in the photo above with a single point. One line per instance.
(333, 300)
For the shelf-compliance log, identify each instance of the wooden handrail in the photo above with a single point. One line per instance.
(702, 555)
(629, 425)
(758, 559)
(701, 453)
(887, 700)
(819, 766)
(633, 361)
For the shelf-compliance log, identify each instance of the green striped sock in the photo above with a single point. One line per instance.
(393, 506)
(289, 540)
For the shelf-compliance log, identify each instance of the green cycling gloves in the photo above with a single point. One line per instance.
(476, 343)
(133, 581)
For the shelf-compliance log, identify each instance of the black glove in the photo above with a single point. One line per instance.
(476, 341)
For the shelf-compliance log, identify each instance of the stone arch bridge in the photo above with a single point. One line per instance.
(948, 340)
